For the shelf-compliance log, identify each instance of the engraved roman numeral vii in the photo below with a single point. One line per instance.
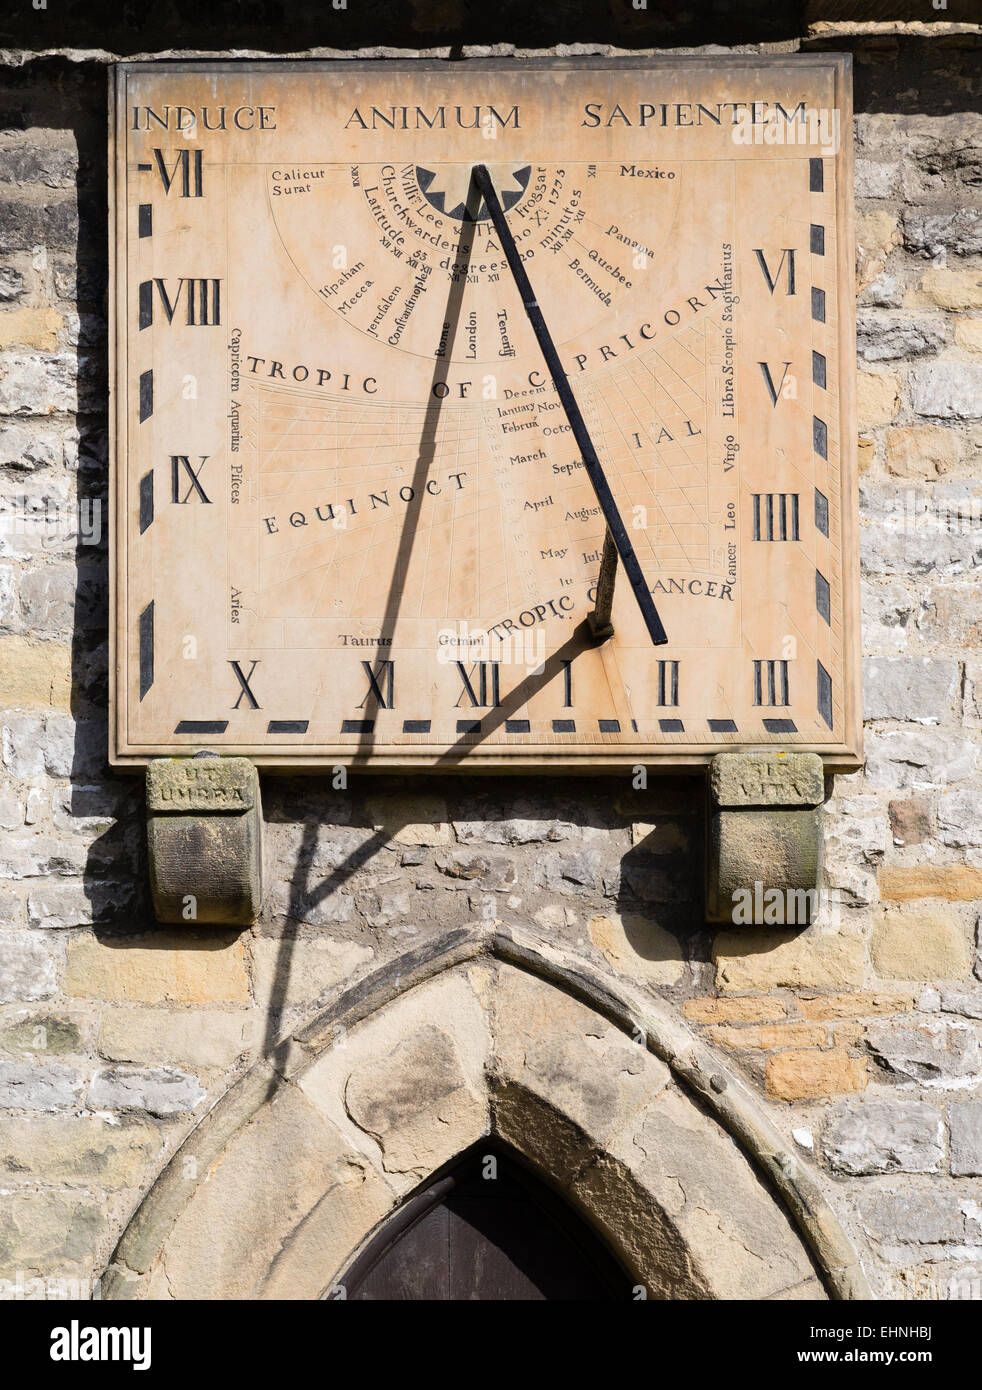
(189, 165)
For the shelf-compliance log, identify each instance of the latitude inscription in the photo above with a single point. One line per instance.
(352, 522)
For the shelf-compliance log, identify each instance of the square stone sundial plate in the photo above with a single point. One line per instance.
(352, 524)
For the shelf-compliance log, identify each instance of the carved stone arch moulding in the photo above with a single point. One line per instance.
(487, 1031)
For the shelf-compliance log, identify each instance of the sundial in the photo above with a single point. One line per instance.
(486, 415)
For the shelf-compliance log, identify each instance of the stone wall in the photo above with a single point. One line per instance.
(861, 1034)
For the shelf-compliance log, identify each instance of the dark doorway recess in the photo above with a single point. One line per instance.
(468, 1236)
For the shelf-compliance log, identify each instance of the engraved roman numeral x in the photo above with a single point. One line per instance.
(244, 683)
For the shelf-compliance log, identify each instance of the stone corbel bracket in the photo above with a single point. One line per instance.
(764, 833)
(204, 835)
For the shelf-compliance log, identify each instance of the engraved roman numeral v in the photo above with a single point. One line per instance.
(772, 390)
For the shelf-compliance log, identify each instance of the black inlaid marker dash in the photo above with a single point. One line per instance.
(722, 726)
(816, 176)
(287, 726)
(146, 501)
(609, 726)
(518, 726)
(146, 395)
(818, 304)
(564, 726)
(822, 512)
(468, 726)
(823, 598)
(780, 726)
(820, 437)
(357, 726)
(671, 726)
(145, 220)
(146, 304)
(817, 240)
(202, 726)
(818, 369)
(825, 694)
(415, 726)
(146, 649)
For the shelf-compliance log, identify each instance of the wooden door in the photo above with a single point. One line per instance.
(486, 1230)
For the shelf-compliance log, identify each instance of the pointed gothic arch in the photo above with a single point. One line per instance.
(487, 1031)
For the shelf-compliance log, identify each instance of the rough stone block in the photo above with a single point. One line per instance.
(874, 1136)
(951, 289)
(204, 836)
(920, 943)
(28, 967)
(40, 1231)
(76, 1150)
(965, 1123)
(160, 1091)
(34, 1086)
(803, 1075)
(764, 822)
(928, 1050)
(193, 1037)
(752, 958)
(908, 882)
(948, 390)
(900, 687)
(166, 968)
(637, 946)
